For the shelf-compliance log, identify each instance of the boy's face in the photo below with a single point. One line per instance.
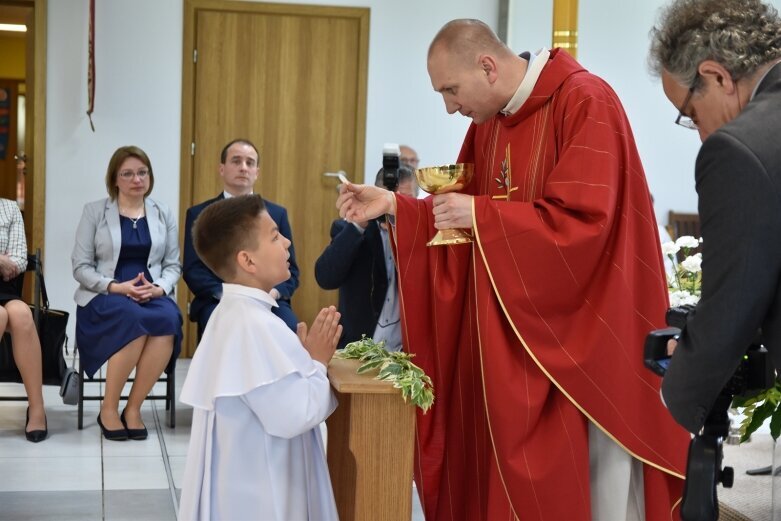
(270, 257)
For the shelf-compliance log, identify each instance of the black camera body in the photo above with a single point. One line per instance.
(391, 161)
(755, 372)
(703, 466)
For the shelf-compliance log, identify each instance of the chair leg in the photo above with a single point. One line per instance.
(81, 396)
(170, 401)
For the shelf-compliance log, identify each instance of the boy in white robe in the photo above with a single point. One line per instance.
(258, 390)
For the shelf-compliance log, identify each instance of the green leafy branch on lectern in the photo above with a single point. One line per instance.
(395, 367)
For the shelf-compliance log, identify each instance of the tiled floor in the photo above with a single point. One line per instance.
(78, 475)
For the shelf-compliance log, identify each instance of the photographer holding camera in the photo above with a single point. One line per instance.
(719, 65)
(359, 263)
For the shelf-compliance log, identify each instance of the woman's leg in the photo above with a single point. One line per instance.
(154, 358)
(120, 365)
(27, 356)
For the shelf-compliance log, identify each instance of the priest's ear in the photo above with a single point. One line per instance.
(487, 64)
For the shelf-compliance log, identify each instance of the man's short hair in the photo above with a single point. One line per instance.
(224, 229)
(224, 153)
(741, 35)
(466, 38)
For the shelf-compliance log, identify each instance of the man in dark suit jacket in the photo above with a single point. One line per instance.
(719, 64)
(356, 263)
(239, 171)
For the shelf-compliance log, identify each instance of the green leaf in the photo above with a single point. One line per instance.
(394, 367)
(775, 424)
(761, 413)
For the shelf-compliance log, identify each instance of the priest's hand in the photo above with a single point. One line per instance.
(360, 203)
(321, 339)
(452, 211)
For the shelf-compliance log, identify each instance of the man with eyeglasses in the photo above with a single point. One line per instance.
(719, 65)
(239, 167)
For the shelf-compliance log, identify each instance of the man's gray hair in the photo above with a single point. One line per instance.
(741, 35)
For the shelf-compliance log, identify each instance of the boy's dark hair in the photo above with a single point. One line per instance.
(225, 228)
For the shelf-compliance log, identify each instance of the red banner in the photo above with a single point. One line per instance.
(91, 65)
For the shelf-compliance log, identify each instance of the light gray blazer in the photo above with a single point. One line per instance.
(99, 239)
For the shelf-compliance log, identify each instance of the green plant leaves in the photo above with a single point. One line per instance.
(395, 367)
(757, 409)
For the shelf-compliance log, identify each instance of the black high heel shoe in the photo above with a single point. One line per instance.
(133, 434)
(36, 436)
(115, 435)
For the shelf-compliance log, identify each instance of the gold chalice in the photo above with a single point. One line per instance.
(440, 180)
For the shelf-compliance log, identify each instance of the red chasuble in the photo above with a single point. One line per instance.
(538, 327)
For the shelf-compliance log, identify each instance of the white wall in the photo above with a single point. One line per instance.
(138, 100)
(530, 25)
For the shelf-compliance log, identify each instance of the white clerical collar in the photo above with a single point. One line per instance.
(533, 71)
(255, 293)
(228, 195)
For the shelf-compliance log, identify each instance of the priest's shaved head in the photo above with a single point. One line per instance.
(224, 229)
(467, 38)
(474, 71)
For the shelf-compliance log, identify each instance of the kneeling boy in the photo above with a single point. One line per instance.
(258, 390)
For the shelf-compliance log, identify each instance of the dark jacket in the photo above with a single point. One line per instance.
(207, 287)
(354, 263)
(738, 176)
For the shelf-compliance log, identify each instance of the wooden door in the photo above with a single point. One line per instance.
(9, 100)
(291, 79)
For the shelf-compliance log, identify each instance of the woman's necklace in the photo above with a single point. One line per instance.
(134, 221)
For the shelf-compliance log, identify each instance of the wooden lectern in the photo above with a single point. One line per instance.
(370, 446)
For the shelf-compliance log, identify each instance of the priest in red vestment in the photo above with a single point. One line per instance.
(533, 334)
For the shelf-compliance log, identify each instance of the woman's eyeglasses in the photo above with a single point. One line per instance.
(128, 174)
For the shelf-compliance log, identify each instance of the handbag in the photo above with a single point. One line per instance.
(69, 388)
(51, 324)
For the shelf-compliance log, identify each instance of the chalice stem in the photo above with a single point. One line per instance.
(450, 236)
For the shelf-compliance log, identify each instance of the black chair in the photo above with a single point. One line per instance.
(169, 396)
(8, 370)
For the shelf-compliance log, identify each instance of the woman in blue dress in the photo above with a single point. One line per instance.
(126, 261)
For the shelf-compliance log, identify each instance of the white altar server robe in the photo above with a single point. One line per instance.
(258, 398)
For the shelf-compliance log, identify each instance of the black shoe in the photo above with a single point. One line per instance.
(115, 435)
(133, 434)
(36, 436)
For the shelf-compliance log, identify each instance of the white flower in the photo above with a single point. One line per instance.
(677, 298)
(687, 241)
(669, 248)
(682, 298)
(693, 264)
